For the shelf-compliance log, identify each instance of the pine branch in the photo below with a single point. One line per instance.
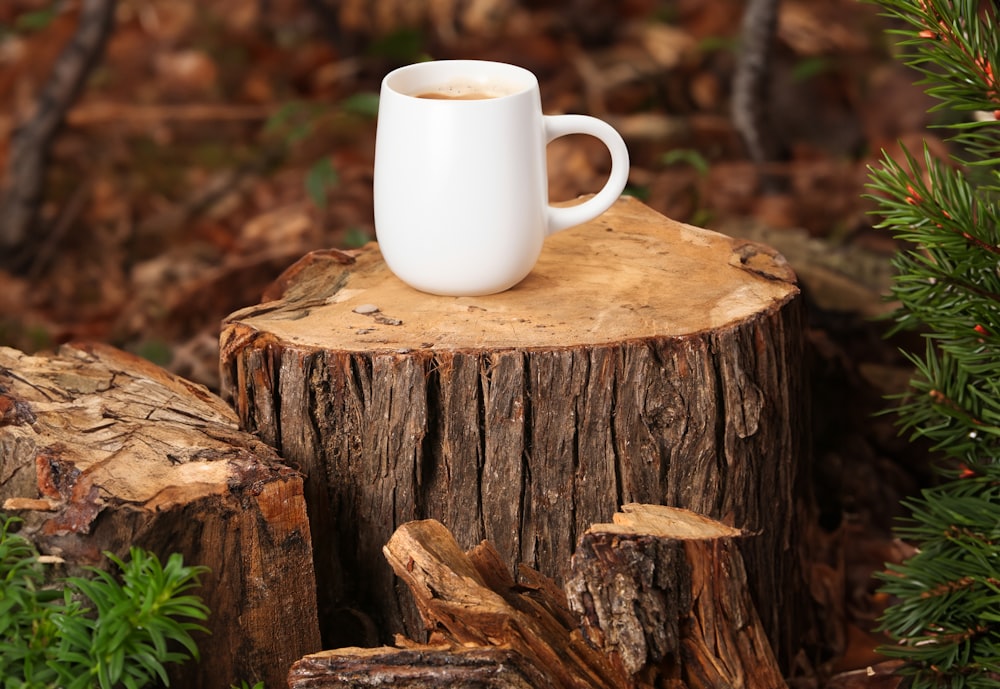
(956, 47)
(946, 620)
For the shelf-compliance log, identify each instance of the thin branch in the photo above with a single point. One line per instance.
(751, 80)
(31, 141)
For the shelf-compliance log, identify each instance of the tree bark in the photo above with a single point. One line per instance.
(643, 360)
(100, 450)
(664, 592)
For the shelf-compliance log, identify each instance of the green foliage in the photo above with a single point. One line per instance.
(694, 159)
(84, 633)
(947, 284)
(293, 124)
(364, 104)
(37, 20)
(27, 22)
(688, 156)
(946, 618)
(809, 67)
(403, 45)
(355, 238)
(320, 177)
(294, 121)
(956, 46)
(949, 593)
(155, 350)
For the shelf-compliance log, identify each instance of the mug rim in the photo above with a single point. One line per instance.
(520, 79)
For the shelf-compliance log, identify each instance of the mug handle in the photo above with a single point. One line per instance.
(562, 125)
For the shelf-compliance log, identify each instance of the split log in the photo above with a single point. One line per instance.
(424, 667)
(486, 628)
(101, 450)
(664, 592)
(643, 360)
(660, 596)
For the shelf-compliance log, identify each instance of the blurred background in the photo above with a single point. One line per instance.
(214, 143)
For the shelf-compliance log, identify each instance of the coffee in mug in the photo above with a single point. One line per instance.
(466, 90)
(461, 185)
(440, 95)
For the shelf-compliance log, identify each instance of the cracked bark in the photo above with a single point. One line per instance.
(642, 361)
(100, 451)
(663, 592)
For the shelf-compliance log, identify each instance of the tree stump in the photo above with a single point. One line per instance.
(643, 360)
(100, 450)
(663, 591)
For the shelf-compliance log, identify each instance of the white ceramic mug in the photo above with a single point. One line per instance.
(461, 186)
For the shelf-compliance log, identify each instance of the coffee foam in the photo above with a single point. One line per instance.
(461, 87)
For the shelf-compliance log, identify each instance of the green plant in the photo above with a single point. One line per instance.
(320, 177)
(295, 122)
(29, 21)
(696, 160)
(402, 45)
(946, 614)
(687, 156)
(80, 633)
(355, 238)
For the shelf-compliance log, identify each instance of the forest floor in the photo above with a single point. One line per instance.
(216, 143)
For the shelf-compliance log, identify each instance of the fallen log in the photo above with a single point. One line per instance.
(422, 667)
(101, 450)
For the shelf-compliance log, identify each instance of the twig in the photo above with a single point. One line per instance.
(30, 144)
(104, 113)
(750, 83)
(68, 214)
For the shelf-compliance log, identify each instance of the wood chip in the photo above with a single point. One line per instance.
(30, 505)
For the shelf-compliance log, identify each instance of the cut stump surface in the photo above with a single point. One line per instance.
(643, 360)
